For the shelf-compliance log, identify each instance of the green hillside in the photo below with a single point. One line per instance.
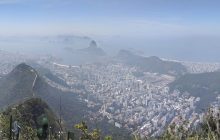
(151, 64)
(24, 83)
(204, 85)
(29, 115)
(17, 85)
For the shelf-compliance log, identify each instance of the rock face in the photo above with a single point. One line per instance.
(93, 44)
(93, 50)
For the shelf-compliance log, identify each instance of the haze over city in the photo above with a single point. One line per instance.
(109, 69)
(183, 30)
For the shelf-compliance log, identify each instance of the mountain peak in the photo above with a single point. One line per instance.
(23, 67)
(93, 44)
(18, 84)
(93, 49)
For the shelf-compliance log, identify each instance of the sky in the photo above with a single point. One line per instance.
(135, 18)
(195, 23)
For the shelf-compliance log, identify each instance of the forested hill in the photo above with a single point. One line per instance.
(24, 83)
(30, 116)
(151, 64)
(203, 85)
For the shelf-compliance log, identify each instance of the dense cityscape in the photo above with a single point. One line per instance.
(129, 98)
(109, 70)
(143, 105)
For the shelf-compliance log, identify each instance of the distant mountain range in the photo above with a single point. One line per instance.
(151, 64)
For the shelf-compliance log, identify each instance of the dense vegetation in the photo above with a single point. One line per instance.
(151, 64)
(18, 85)
(204, 85)
(209, 129)
(29, 115)
(42, 71)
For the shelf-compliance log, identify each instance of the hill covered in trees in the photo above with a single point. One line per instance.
(29, 116)
(151, 64)
(203, 85)
(24, 83)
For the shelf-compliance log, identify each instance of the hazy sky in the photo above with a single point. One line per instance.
(145, 23)
(138, 18)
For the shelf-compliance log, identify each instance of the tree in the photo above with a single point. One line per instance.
(28, 133)
(42, 132)
(95, 134)
(4, 126)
